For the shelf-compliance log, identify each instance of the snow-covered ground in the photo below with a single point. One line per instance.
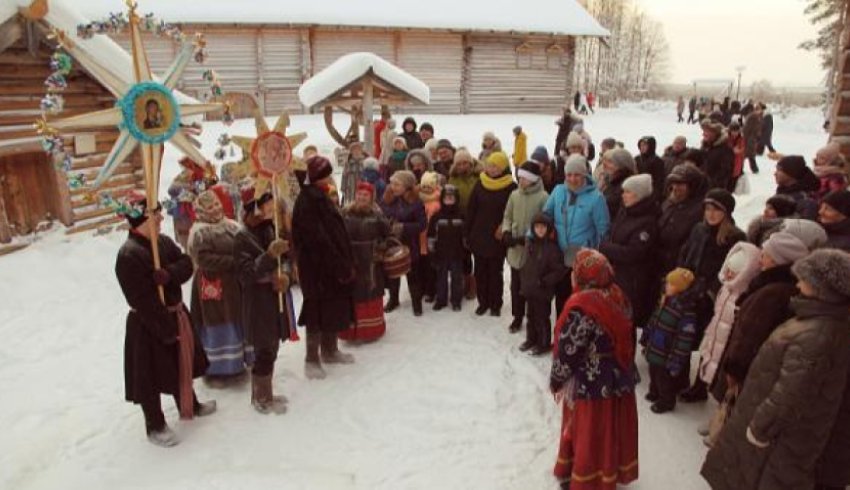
(443, 401)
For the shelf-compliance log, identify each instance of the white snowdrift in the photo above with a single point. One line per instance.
(350, 68)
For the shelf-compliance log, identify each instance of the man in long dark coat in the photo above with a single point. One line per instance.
(154, 342)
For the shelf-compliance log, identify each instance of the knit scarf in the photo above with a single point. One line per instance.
(492, 184)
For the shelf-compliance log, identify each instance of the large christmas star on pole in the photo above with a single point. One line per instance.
(146, 113)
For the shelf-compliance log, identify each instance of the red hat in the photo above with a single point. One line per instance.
(318, 167)
(366, 187)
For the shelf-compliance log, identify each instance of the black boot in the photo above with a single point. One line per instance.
(516, 325)
(481, 310)
(393, 288)
(698, 392)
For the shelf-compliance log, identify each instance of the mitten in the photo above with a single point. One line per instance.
(277, 248)
(161, 277)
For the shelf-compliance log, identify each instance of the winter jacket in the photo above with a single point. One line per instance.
(790, 401)
(486, 152)
(676, 222)
(351, 175)
(565, 126)
(395, 162)
(766, 132)
(520, 155)
(408, 165)
(322, 245)
(413, 139)
(464, 184)
(651, 164)
(838, 235)
(718, 162)
(431, 203)
(410, 212)
(150, 341)
(803, 193)
(762, 308)
(630, 246)
(752, 134)
(671, 332)
(523, 205)
(211, 246)
(581, 217)
(704, 256)
(613, 192)
(833, 467)
(484, 219)
(445, 235)
(373, 177)
(368, 230)
(738, 147)
(544, 267)
(720, 328)
(261, 317)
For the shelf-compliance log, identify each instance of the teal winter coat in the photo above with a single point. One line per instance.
(581, 217)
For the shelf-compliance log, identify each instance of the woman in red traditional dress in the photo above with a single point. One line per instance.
(594, 376)
(368, 229)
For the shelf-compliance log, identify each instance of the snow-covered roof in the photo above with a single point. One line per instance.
(352, 67)
(563, 17)
(63, 15)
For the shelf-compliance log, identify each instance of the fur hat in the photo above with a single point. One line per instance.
(371, 163)
(793, 166)
(783, 204)
(540, 155)
(576, 164)
(402, 140)
(489, 135)
(404, 177)
(499, 159)
(680, 279)
(426, 126)
(828, 272)
(840, 201)
(622, 159)
(784, 248)
(722, 199)
(807, 231)
(574, 140)
(318, 168)
(430, 145)
(639, 185)
(529, 171)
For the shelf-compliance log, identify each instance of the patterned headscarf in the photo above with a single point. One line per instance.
(208, 207)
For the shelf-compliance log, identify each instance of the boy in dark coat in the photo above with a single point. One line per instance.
(648, 162)
(718, 157)
(326, 269)
(156, 326)
(668, 339)
(445, 242)
(543, 270)
(256, 252)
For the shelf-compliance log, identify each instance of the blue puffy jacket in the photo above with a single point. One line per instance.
(581, 217)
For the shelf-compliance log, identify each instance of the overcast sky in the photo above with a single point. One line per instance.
(709, 38)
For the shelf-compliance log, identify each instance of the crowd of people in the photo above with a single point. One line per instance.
(639, 253)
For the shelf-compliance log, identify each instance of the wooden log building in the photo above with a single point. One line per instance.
(506, 58)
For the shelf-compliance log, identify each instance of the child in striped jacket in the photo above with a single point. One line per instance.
(668, 340)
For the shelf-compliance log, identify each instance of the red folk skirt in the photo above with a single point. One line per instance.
(599, 444)
(369, 322)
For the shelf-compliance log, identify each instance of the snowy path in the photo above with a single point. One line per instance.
(444, 401)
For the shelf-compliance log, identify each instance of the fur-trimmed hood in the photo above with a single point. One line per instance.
(422, 153)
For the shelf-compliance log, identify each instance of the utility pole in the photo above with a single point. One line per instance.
(740, 69)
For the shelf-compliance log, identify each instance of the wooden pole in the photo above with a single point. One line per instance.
(276, 199)
(368, 106)
(151, 193)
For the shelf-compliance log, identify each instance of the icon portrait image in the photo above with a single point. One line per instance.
(273, 153)
(153, 113)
